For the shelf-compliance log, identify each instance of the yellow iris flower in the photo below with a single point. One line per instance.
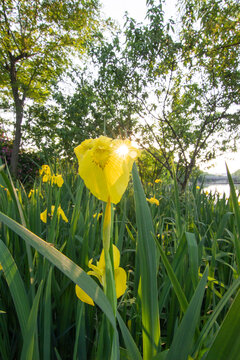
(105, 165)
(60, 212)
(45, 169)
(47, 176)
(57, 179)
(99, 272)
(158, 181)
(153, 200)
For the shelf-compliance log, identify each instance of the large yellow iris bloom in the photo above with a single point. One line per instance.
(99, 271)
(105, 165)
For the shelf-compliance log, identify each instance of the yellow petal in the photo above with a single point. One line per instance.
(59, 180)
(81, 149)
(46, 178)
(83, 296)
(120, 281)
(97, 270)
(93, 176)
(153, 200)
(116, 258)
(117, 175)
(45, 170)
(101, 262)
(43, 216)
(61, 213)
(97, 275)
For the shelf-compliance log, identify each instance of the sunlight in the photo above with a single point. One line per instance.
(122, 150)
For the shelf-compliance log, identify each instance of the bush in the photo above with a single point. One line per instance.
(29, 162)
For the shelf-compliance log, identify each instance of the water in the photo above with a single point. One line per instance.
(221, 188)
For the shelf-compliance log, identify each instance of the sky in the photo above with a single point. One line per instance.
(137, 9)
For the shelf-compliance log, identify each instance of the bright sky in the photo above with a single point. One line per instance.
(137, 9)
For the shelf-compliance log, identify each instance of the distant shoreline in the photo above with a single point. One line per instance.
(218, 179)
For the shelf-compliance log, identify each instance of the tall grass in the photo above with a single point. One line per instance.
(182, 260)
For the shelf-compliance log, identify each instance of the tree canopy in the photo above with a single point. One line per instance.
(38, 41)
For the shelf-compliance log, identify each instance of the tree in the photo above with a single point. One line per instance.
(184, 88)
(38, 41)
(84, 113)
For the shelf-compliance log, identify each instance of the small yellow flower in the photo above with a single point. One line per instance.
(45, 170)
(153, 200)
(149, 184)
(57, 179)
(158, 181)
(197, 187)
(99, 272)
(60, 212)
(1, 268)
(105, 165)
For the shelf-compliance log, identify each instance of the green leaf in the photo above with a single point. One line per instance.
(133, 352)
(227, 342)
(217, 310)
(47, 318)
(174, 281)
(28, 341)
(146, 252)
(16, 286)
(183, 339)
(237, 216)
(193, 257)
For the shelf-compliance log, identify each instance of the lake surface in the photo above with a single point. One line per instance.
(220, 188)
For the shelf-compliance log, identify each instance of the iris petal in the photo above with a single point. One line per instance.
(120, 281)
(83, 296)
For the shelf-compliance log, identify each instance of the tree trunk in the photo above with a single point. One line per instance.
(17, 137)
(19, 103)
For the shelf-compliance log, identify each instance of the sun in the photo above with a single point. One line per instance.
(122, 150)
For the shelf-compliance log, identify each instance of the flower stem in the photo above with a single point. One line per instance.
(109, 282)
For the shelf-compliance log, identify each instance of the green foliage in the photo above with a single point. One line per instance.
(38, 42)
(78, 116)
(196, 275)
(29, 162)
